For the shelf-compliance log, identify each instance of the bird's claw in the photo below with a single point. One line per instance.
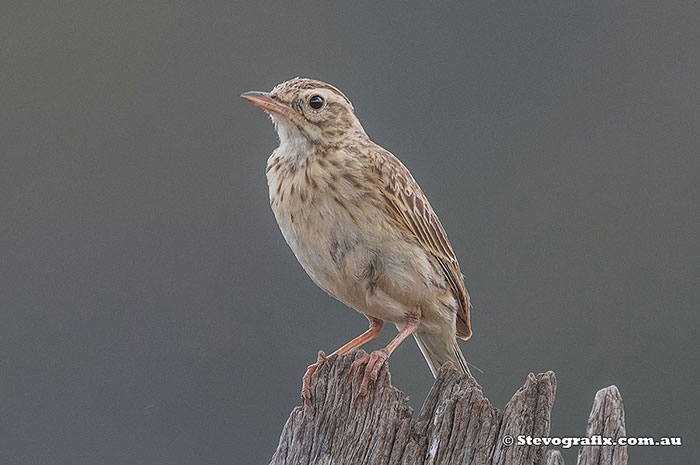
(321, 358)
(306, 380)
(374, 363)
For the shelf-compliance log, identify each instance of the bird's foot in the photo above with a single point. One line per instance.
(374, 362)
(306, 380)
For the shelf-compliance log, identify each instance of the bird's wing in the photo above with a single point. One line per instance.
(409, 205)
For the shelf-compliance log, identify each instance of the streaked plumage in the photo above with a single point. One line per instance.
(361, 226)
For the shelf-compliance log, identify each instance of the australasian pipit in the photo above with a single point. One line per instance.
(361, 227)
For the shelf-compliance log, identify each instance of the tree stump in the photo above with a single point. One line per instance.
(456, 425)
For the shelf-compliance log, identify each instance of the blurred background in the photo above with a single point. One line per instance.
(150, 310)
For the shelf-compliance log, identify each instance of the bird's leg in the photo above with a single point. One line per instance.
(375, 327)
(376, 359)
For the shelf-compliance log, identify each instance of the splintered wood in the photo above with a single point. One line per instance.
(456, 425)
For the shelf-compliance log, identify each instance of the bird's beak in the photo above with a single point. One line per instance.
(267, 102)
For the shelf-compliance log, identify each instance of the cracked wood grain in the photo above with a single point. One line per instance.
(456, 425)
(607, 419)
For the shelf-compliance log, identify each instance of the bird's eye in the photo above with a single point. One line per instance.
(316, 102)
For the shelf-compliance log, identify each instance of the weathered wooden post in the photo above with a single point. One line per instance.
(456, 425)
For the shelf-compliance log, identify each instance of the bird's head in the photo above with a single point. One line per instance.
(309, 109)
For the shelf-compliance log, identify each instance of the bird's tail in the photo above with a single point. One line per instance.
(437, 351)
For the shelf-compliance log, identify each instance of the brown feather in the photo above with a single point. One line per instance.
(407, 202)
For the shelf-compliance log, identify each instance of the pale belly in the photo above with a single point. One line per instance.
(364, 264)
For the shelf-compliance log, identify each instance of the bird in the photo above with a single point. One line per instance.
(362, 229)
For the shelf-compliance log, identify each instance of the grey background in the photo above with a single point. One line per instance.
(150, 311)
